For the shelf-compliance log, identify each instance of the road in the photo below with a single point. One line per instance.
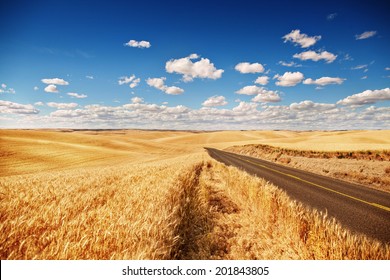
(361, 209)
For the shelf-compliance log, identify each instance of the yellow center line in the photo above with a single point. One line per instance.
(319, 186)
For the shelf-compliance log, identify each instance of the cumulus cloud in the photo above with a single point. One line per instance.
(366, 97)
(246, 67)
(8, 107)
(310, 105)
(173, 90)
(303, 40)
(215, 101)
(51, 88)
(267, 96)
(262, 80)
(76, 95)
(72, 114)
(202, 68)
(55, 81)
(312, 55)
(324, 81)
(5, 89)
(262, 94)
(246, 115)
(36, 88)
(89, 77)
(365, 35)
(132, 81)
(159, 83)
(251, 90)
(39, 103)
(137, 100)
(62, 105)
(289, 79)
(138, 44)
(289, 64)
(245, 107)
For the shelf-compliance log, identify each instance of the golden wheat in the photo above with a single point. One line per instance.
(152, 195)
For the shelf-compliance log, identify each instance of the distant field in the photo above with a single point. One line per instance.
(26, 151)
(135, 194)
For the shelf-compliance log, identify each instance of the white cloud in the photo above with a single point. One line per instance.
(55, 81)
(324, 81)
(79, 113)
(159, 83)
(190, 70)
(310, 105)
(215, 101)
(89, 77)
(8, 107)
(262, 95)
(132, 81)
(76, 95)
(365, 35)
(156, 82)
(36, 88)
(289, 64)
(312, 55)
(251, 90)
(303, 40)
(246, 67)
(193, 56)
(366, 97)
(364, 77)
(173, 90)
(5, 89)
(40, 103)
(246, 115)
(262, 80)
(387, 68)
(359, 67)
(245, 107)
(51, 88)
(136, 100)
(268, 96)
(138, 44)
(62, 105)
(289, 79)
(331, 16)
(348, 57)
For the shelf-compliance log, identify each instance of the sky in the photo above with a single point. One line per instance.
(199, 65)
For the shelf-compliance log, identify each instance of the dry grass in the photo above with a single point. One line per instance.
(370, 168)
(243, 217)
(152, 195)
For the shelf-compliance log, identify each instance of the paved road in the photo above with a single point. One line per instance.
(359, 208)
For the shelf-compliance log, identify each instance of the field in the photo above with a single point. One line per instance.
(133, 194)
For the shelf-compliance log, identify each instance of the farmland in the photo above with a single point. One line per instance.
(134, 194)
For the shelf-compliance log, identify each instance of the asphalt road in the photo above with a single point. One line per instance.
(361, 209)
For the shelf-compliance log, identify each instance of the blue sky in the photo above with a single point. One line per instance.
(195, 65)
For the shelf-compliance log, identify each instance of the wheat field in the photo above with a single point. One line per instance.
(134, 194)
